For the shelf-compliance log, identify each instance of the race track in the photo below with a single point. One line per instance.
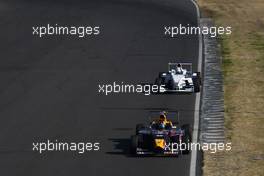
(49, 86)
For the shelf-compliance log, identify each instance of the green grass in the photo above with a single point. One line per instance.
(243, 68)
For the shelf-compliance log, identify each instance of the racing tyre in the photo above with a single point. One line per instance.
(158, 82)
(197, 82)
(171, 85)
(134, 145)
(185, 142)
(139, 127)
(187, 129)
(186, 138)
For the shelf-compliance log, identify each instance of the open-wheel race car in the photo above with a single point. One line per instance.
(161, 136)
(179, 78)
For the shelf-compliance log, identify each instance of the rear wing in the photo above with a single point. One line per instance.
(187, 66)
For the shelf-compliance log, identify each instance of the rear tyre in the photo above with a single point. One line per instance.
(197, 82)
(134, 145)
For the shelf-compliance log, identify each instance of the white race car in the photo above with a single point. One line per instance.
(179, 78)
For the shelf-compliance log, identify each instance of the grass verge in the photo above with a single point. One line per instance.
(243, 68)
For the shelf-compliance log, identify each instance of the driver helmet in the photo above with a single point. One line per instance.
(179, 69)
(162, 117)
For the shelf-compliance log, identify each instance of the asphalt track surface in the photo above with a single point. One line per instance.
(49, 86)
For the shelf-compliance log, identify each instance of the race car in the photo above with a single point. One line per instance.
(161, 137)
(179, 78)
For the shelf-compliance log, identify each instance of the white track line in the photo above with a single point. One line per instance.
(197, 102)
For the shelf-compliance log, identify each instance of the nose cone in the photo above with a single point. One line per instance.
(160, 143)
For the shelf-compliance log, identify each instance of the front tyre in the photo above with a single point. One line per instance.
(187, 139)
(139, 127)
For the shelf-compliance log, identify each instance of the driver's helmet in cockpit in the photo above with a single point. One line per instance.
(162, 117)
(179, 69)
